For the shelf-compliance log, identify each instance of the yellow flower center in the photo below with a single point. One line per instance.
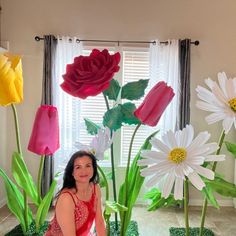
(232, 104)
(177, 155)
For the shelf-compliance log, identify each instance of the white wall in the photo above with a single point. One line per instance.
(210, 21)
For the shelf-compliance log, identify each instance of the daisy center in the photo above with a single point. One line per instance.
(232, 104)
(177, 155)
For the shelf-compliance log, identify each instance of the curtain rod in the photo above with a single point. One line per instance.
(37, 38)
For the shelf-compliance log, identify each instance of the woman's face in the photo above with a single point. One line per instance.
(83, 169)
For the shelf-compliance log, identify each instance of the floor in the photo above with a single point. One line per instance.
(222, 222)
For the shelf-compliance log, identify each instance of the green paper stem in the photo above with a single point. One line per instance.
(40, 173)
(186, 197)
(112, 167)
(20, 152)
(105, 180)
(126, 178)
(204, 208)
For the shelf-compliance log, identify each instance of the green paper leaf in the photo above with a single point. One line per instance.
(15, 200)
(23, 178)
(158, 201)
(113, 91)
(222, 187)
(44, 206)
(127, 110)
(108, 175)
(134, 90)
(207, 190)
(113, 118)
(92, 127)
(231, 148)
(112, 207)
(135, 182)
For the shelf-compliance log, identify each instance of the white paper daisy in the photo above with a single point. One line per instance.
(99, 144)
(177, 156)
(220, 100)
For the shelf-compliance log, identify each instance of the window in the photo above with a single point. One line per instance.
(136, 63)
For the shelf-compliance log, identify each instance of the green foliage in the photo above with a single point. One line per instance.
(23, 178)
(231, 148)
(108, 176)
(222, 187)
(15, 201)
(207, 190)
(134, 90)
(113, 91)
(158, 201)
(122, 113)
(113, 118)
(129, 196)
(92, 127)
(127, 110)
(111, 207)
(44, 206)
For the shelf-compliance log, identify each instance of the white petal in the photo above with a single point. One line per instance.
(154, 155)
(227, 124)
(169, 139)
(186, 136)
(209, 174)
(212, 147)
(208, 107)
(196, 180)
(145, 162)
(198, 141)
(215, 117)
(178, 190)
(156, 143)
(163, 167)
(153, 180)
(196, 160)
(168, 185)
(215, 158)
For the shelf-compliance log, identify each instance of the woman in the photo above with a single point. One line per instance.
(79, 201)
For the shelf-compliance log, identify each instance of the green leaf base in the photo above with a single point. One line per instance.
(193, 232)
(17, 231)
(131, 231)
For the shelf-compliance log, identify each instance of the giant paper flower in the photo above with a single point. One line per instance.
(90, 75)
(180, 155)
(11, 81)
(154, 104)
(44, 138)
(220, 100)
(99, 144)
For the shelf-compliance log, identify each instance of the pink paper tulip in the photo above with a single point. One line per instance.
(154, 104)
(44, 138)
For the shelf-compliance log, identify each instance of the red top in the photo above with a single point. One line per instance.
(85, 212)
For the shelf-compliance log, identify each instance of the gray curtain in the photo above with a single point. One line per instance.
(184, 90)
(48, 73)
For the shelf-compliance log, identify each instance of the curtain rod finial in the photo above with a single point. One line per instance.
(37, 38)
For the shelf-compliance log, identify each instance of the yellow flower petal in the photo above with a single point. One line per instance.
(11, 89)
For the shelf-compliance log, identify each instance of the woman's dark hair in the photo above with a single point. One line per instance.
(68, 179)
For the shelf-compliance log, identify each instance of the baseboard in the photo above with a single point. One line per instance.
(3, 202)
(223, 203)
(234, 202)
(196, 202)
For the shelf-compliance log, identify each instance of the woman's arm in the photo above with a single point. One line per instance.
(65, 214)
(99, 221)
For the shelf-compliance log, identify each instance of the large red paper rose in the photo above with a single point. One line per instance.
(90, 75)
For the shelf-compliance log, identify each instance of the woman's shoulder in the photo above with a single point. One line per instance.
(67, 196)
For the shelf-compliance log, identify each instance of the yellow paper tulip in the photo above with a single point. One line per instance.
(11, 80)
